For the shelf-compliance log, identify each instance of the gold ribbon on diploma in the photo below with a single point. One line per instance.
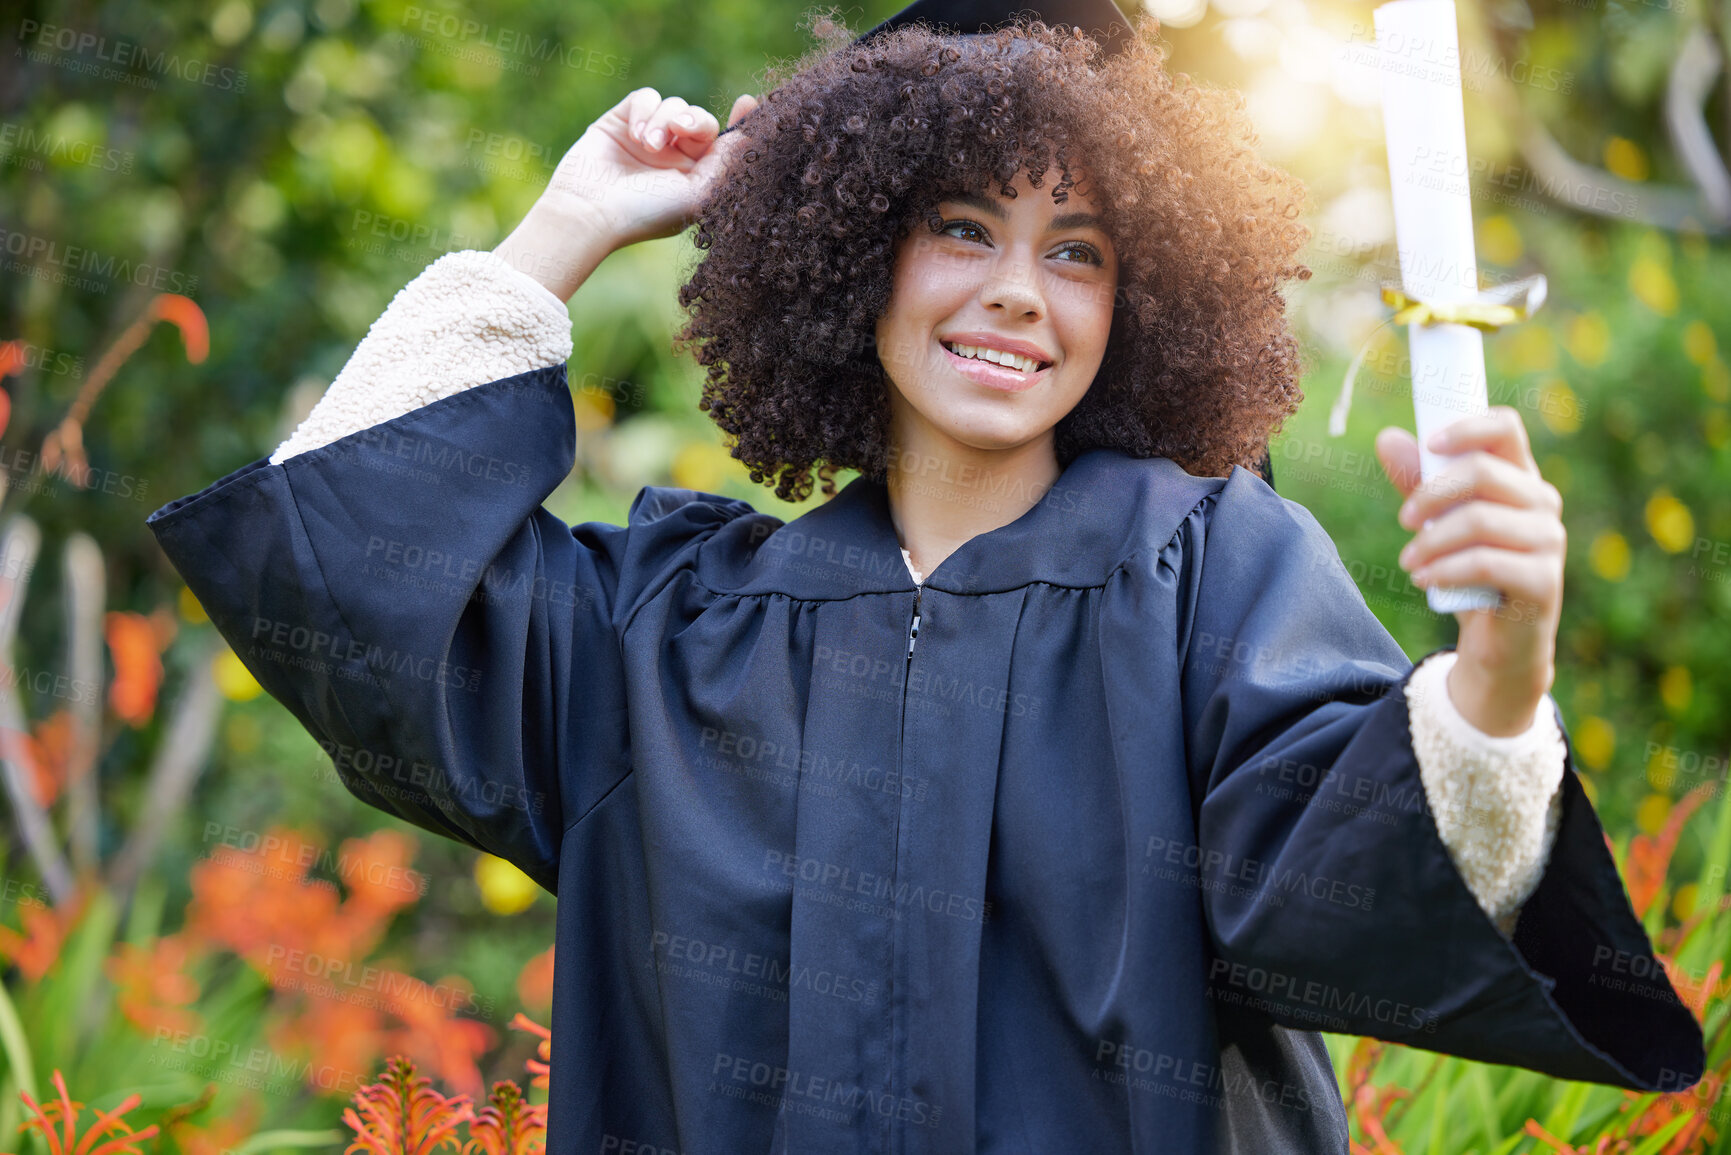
(1489, 311)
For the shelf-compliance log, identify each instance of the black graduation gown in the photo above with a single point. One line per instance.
(1083, 872)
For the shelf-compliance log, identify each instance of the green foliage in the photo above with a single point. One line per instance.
(290, 164)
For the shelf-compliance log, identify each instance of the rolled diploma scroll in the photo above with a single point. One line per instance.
(1425, 125)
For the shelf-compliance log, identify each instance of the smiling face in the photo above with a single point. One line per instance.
(1023, 276)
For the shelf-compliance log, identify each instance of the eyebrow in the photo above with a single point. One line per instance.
(1059, 223)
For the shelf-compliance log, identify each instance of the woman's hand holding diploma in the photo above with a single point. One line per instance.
(638, 173)
(1487, 519)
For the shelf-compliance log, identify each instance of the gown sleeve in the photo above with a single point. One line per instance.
(1341, 895)
(468, 318)
(1496, 800)
(390, 577)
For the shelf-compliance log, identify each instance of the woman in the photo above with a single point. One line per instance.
(1035, 793)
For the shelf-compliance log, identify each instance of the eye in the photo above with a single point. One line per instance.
(962, 225)
(1083, 247)
(1091, 255)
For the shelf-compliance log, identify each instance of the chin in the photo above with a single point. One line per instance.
(992, 435)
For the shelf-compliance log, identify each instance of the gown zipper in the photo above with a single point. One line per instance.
(914, 625)
(907, 670)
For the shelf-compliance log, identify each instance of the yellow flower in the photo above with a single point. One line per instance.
(1531, 348)
(1589, 339)
(1718, 428)
(1716, 380)
(1698, 343)
(1675, 689)
(1559, 408)
(1499, 240)
(233, 680)
(1661, 770)
(1625, 159)
(593, 408)
(504, 888)
(1683, 902)
(190, 609)
(1652, 284)
(1651, 813)
(1595, 740)
(702, 466)
(1669, 521)
(1609, 556)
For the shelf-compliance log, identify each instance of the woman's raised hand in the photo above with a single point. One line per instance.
(645, 165)
(639, 172)
(1487, 519)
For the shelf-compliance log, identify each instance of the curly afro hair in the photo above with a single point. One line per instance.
(858, 145)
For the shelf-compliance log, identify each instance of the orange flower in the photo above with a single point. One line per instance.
(154, 990)
(542, 1069)
(186, 316)
(37, 950)
(42, 774)
(312, 947)
(137, 642)
(1696, 992)
(51, 755)
(1709, 985)
(1696, 1135)
(1368, 1105)
(402, 1114)
(507, 1125)
(1650, 854)
(65, 1111)
(222, 1136)
(449, 1046)
(345, 1038)
(376, 871)
(535, 982)
(1370, 1108)
(63, 449)
(259, 904)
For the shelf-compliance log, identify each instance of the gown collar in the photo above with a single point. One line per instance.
(1105, 506)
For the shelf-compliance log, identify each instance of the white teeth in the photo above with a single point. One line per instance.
(1008, 360)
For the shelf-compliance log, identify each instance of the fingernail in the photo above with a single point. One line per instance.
(656, 137)
(1438, 441)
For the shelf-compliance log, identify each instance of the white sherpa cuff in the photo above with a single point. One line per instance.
(1495, 799)
(469, 318)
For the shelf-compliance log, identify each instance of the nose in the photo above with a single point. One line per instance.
(1009, 288)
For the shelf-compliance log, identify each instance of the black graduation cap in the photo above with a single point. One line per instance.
(1099, 19)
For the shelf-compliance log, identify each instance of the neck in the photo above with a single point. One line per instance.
(943, 492)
